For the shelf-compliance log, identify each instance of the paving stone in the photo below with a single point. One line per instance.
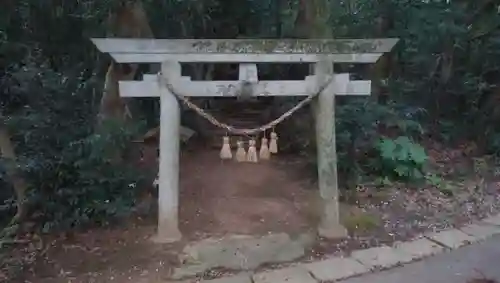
(241, 252)
(452, 238)
(418, 248)
(285, 275)
(381, 257)
(480, 232)
(239, 278)
(493, 220)
(335, 268)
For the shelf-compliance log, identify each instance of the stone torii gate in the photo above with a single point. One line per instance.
(323, 53)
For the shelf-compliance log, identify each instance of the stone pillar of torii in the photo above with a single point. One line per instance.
(323, 53)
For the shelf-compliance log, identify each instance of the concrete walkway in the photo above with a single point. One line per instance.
(456, 266)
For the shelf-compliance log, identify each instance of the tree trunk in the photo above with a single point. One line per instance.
(312, 19)
(380, 70)
(129, 21)
(20, 187)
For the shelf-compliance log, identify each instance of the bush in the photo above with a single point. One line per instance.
(360, 123)
(76, 177)
(401, 159)
(87, 185)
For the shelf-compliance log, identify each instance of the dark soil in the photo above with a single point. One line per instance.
(221, 197)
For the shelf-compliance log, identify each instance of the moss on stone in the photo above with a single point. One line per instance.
(262, 46)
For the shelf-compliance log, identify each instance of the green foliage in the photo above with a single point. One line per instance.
(359, 125)
(85, 188)
(75, 176)
(448, 57)
(90, 184)
(400, 159)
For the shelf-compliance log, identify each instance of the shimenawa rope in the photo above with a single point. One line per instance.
(242, 131)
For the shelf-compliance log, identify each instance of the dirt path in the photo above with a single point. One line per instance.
(220, 197)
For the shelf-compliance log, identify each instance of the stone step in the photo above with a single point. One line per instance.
(235, 108)
(238, 114)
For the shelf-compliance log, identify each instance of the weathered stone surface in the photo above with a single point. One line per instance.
(332, 231)
(493, 220)
(452, 238)
(239, 252)
(239, 278)
(305, 239)
(381, 257)
(480, 232)
(285, 275)
(335, 268)
(418, 248)
(253, 46)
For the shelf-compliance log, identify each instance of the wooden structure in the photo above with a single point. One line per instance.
(171, 53)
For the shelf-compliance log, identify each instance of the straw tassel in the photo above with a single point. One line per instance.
(273, 144)
(241, 155)
(252, 152)
(225, 151)
(264, 149)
